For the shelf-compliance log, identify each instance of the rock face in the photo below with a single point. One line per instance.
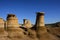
(11, 30)
(1, 23)
(27, 23)
(40, 19)
(3, 33)
(41, 30)
(40, 26)
(12, 21)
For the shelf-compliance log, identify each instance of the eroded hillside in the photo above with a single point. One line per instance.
(11, 30)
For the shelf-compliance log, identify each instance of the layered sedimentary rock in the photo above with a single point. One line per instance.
(1, 23)
(3, 33)
(40, 26)
(5, 25)
(12, 21)
(13, 27)
(14, 32)
(27, 23)
(41, 30)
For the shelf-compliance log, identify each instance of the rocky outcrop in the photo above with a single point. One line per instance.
(1, 23)
(41, 30)
(12, 21)
(11, 30)
(27, 23)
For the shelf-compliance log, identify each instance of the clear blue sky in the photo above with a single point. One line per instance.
(26, 9)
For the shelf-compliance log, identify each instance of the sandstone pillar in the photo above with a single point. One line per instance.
(24, 21)
(40, 19)
(40, 26)
(12, 21)
(1, 23)
(27, 23)
(3, 33)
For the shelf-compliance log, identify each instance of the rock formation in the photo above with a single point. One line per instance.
(13, 27)
(27, 23)
(12, 21)
(3, 33)
(1, 23)
(40, 26)
(11, 30)
(41, 30)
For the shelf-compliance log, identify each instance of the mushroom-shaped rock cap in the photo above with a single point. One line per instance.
(25, 19)
(40, 13)
(10, 15)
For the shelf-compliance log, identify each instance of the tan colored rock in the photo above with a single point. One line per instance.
(27, 23)
(12, 21)
(5, 25)
(31, 33)
(3, 33)
(41, 30)
(16, 33)
(40, 26)
(1, 23)
(40, 19)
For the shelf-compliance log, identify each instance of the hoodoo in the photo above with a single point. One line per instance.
(40, 26)
(27, 23)
(12, 21)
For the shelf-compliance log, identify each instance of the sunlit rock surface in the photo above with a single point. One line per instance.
(12, 30)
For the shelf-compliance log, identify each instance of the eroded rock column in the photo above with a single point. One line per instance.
(40, 26)
(40, 19)
(3, 33)
(27, 23)
(12, 21)
(13, 27)
(1, 23)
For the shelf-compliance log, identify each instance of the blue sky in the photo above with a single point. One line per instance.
(26, 9)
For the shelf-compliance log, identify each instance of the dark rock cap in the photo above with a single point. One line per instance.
(40, 13)
(11, 15)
